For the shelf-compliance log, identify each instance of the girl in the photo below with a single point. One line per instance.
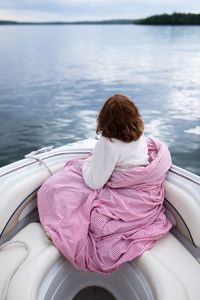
(122, 144)
(108, 209)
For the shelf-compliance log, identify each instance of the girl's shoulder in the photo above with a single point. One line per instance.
(104, 141)
(106, 148)
(109, 144)
(118, 145)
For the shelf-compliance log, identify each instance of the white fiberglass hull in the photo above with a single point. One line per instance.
(154, 275)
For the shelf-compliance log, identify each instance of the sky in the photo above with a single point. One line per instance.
(74, 10)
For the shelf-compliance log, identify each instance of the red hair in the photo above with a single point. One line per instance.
(119, 118)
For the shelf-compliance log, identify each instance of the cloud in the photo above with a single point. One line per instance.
(28, 15)
(91, 9)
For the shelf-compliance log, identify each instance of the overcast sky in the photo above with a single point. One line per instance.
(68, 10)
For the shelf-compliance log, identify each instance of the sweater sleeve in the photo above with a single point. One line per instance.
(98, 168)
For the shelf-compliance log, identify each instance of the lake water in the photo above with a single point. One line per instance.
(54, 79)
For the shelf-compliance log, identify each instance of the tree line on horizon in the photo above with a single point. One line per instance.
(173, 19)
(164, 19)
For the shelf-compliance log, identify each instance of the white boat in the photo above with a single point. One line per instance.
(32, 268)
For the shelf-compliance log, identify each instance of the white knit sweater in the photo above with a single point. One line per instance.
(108, 156)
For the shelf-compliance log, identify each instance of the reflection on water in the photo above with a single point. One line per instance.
(195, 130)
(54, 79)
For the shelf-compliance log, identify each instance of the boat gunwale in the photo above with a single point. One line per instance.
(43, 158)
(174, 169)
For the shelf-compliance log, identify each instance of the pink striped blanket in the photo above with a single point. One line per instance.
(98, 230)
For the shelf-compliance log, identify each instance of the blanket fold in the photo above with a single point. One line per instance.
(98, 230)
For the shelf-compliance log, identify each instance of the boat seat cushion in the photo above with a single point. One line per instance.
(185, 208)
(172, 272)
(169, 268)
(42, 255)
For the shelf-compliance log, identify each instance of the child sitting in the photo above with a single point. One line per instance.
(122, 144)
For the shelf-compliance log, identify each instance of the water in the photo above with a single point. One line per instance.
(54, 79)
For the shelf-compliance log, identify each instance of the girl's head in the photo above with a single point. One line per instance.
(119, 118)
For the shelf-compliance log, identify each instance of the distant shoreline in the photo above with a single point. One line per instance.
(106, 22)
(164, 19)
